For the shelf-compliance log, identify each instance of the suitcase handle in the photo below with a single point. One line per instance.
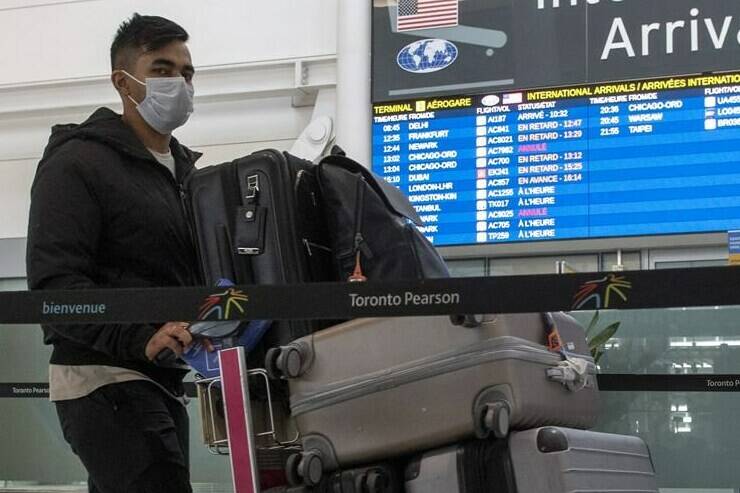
(572, 373)
(554, 341)
(468, 321)
(166, 355)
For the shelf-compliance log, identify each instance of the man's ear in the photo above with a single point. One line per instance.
(120, 82)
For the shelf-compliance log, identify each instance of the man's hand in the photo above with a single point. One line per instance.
(207, 344)
(172, 335)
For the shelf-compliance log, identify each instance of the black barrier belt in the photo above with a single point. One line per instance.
(41, 390)
(513, 294)
(24, 390)
(668, 383)
(608, 382)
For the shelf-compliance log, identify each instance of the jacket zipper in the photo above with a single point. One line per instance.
(184, 211)
(182, 195)
(184, 198)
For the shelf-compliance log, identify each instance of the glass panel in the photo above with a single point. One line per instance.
(692, 437)
(18, 284)
(32, 444)
(32, 448)
(686, 264)
(630, 261)
(205, 467)
(467, 267)
(670, 341)
(542, 265)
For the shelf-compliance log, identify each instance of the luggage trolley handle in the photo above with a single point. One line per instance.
(271, 413)
(220, 447)
(216, 447)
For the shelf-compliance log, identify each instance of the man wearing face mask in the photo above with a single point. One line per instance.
(107, 212)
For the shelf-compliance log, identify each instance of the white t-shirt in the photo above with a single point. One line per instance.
(165, 159)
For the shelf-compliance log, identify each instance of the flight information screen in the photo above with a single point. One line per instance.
(640, 157)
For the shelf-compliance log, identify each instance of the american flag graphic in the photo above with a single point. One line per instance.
(424, 14)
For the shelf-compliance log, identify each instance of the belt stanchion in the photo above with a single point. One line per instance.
(239, 427)
(512, 294)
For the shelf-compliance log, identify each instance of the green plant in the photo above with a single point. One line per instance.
(597, 337)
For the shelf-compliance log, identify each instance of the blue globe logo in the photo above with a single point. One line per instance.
(427, 55)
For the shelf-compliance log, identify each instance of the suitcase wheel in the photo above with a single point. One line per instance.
(305, 468)
(271, 363)
(375, 482)
(284, 362)
(291, 470)
(494, 417)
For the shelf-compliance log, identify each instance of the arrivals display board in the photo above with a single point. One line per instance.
(501, 45)
(632, 158)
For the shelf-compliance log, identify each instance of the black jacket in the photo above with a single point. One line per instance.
(105, 214)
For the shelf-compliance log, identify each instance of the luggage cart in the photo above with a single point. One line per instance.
(237, 436)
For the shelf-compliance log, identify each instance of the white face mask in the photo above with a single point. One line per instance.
(168, 102)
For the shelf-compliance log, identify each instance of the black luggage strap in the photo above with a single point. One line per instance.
(250, 221)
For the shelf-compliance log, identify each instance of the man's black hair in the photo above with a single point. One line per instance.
(147, 32)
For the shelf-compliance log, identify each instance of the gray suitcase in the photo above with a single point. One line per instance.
(544, 460)
(370, 389)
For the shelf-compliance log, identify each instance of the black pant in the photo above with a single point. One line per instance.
(131, 437)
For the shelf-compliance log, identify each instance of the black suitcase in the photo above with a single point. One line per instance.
(380, 478)
(259, 220)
